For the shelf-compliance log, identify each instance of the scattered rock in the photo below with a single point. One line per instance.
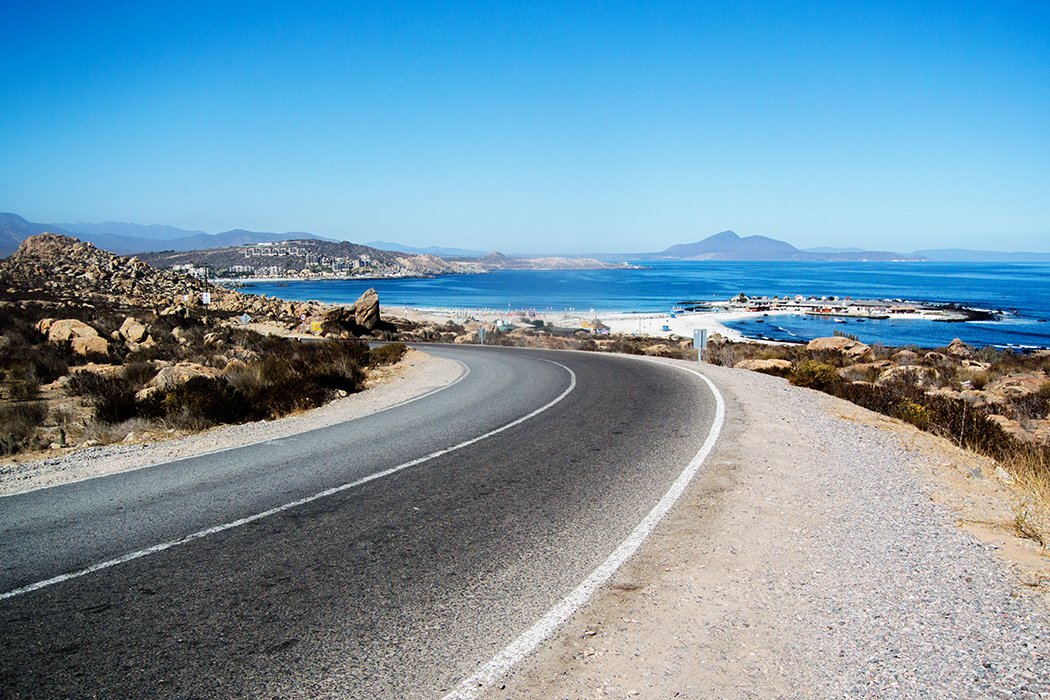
(1010, 426)
(919, 376)
(906, 357)
(133, 330)
(957, 348)
(1017, 384)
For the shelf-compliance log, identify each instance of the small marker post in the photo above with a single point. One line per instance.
(700, 342)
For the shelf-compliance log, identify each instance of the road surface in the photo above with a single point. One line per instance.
(285, 569)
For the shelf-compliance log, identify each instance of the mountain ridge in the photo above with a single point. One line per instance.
(728, 245)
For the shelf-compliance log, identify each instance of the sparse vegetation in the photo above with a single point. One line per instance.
(928, 390)
(255, 377)
(18, 424)
(813, 375)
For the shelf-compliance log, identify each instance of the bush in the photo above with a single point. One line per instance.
(914, 413)
(24, 390)
(204, 401)
(138, 373)
(387, 354)
(112, 397)
(18, 424)
(814, 375)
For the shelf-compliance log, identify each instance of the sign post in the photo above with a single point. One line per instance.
(481, 335)
(700, 343)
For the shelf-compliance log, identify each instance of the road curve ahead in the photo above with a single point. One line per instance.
(369, 559)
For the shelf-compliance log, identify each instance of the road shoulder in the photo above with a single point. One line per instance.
(818, 554)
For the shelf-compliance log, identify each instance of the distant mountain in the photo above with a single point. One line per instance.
(152, 232)
(429, 250)
(126, 245)
(727, 245)
(962, 255)
(14, 229)
(128, 239)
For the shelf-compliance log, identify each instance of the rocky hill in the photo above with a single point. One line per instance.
(305, 258)
(56, 270)
(14, 229)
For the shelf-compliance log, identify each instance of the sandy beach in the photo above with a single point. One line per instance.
(655, 324)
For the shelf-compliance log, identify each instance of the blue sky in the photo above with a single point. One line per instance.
(533, 126)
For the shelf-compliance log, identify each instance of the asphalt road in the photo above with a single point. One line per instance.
(398, 587)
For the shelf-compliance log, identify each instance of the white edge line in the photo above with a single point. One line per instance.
(531, 638)
(130, 556)
(220, 450)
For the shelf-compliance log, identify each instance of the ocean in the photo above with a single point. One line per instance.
(1020, 291)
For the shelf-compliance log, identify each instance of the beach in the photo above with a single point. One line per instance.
(648, 324)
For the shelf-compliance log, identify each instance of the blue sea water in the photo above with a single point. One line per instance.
(1020, 291)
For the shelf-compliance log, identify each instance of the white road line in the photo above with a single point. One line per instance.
(287, 506)
(463, 375)
(500, 664)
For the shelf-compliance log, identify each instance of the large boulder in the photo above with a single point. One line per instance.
(906, 357)
(83, 339)
(839, 343)
(91, 345)
(174, 376)
(133, 330)
(359, 318)
(67, 329)
(366, 309)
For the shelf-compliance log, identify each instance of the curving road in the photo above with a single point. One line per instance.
(389, 556)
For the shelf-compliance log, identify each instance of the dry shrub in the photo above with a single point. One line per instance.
(138, 373)
(106, 433)
(23, 390)
(112, 397)
(205, 401)
(1029, 465)
(814, 375)
(386, 354)
(18, 425)
(1034, 406)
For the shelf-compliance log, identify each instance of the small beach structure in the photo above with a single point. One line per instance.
(594, 326)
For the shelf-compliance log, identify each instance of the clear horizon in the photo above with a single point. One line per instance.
(557, 128)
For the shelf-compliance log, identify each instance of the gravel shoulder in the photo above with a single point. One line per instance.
(825, 551)
(416, 374)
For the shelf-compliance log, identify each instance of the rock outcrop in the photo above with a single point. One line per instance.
(59, 270)
(957, 348)
(84, 339)
(771, 365)
(838, 343)
(360, 318)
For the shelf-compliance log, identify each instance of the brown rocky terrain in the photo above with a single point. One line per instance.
(1011, 389)
(96, 347)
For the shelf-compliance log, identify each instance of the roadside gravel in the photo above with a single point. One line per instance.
(418, 373)
(809, 559)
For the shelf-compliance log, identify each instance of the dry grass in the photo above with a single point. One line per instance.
(1030, 470)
